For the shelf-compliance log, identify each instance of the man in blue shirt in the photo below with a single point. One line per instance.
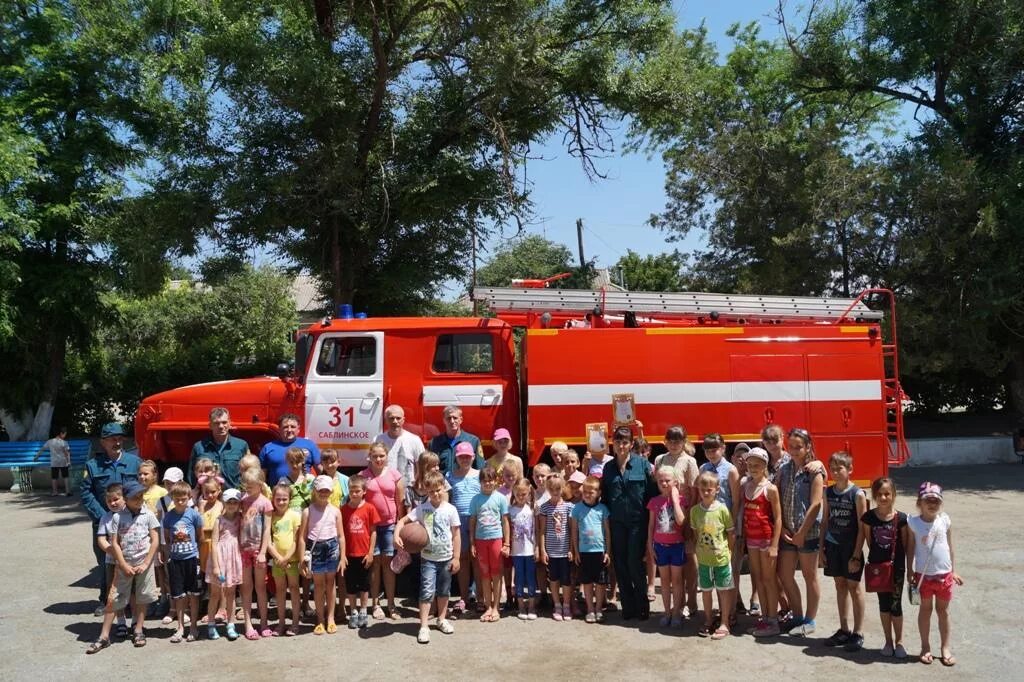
(272, 456)
(224, 449)
(113, 465)
(444, 444)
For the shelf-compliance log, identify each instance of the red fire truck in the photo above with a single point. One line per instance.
(712, 362)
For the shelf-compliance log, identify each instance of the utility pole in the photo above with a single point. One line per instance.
(472, 286)
(579, 239)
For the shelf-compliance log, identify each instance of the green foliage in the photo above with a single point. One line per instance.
(533, 257)
(660, 272)
(187, 335)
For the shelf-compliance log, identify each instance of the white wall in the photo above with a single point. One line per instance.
(951, 451)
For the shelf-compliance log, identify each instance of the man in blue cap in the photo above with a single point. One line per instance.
(113, 465)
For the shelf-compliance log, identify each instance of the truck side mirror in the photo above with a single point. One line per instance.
(283, 370)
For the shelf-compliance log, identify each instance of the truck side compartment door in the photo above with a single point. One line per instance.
(345, 394)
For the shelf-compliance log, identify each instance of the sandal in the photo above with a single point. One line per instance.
(755, 610)
(139, 640)
(221, 616)
(721, 633)
(332, 628)
(267, 632)
(98, 645)
(948, 661)
(378, 613)
(167, 620)
(319, 630)
(927, 658)
(291, 632)
(176, 637)
(705, 631)
(393, 614)
(191, 637)
(205, 620)
(121, 631)
(252, 635)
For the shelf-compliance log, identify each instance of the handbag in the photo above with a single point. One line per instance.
(878, 575)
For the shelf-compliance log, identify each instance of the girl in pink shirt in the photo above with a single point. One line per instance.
(385, 490)
(665, 533)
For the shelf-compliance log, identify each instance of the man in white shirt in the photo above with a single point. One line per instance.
(404, 447)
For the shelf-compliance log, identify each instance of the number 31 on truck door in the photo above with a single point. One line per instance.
(345, 394)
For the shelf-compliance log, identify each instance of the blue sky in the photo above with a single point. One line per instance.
(615, 210)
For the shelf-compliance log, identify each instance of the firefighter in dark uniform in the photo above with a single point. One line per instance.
(113, 465)
(627, 484)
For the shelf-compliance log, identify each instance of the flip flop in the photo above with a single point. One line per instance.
(176, 637)
(948, 661)
(927, 658)
(721, 633)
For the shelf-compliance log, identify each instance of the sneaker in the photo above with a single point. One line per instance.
(591, 617)
(887, 650)
(899, 651)
(686, 612)
(806, 627)
(523, 615)
(230, 632)
(531, 616)
(100, 610)
(424, 635)
(364, 620)
(211, 632)
(566, 613)
(445, 627)
(766, 629)
(353, 622)
(789, 623)
(600, 616)
(557, 613)
(838, 638)
(855, 642)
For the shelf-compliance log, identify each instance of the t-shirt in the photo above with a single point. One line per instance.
(105, 529)
(59, 452)
(711, 526)
(253, 509)
(931, 544)
(132, 531)
(439, 522)
(282, 532)
(464, 489)
(301, 492)
(360, 522)
(152, 497)
(590, 526)
(403, 453)
(272, 457)
(522, 525)
(380, 492)
(556, 527)
(666, 530)
(489, 510)
(685, 466)
(883, 534)
(722, 471)
(339, 495)
(182, 531)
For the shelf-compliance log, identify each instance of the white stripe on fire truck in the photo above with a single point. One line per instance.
(463, 395)
(707, 392)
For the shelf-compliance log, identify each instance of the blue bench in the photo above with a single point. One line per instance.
(17, 457)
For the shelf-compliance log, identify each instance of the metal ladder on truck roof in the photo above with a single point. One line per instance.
(674, 304)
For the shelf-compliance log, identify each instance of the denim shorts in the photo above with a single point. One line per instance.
(325, 556)
(435, 578)
(810, 546)
(385, 541)
(669, 555)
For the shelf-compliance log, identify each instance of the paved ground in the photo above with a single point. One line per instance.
(47, 598)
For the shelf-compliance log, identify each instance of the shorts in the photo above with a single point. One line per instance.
(837, 560)
(525, 576)
(810, 546)
(669, 555)
(758, 545)
(249, 558)
(326, 554)
(357, 576)
(289, 569)
(592, 568)
(183, 577)
(464, 534)
(435, 579)
(488, 556)
(892, 602)
(558, 570)
(714, 577)
(385, 541)
(142, 585)
(939, 586)
(58, 472)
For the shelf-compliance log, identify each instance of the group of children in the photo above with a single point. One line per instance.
(516, 536)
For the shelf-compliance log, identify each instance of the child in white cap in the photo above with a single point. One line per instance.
(322, 535)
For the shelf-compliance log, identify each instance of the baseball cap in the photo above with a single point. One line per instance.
(740, 450)
(929, 489)
(174, 474)
(499, 434)
(323, 483)
(231, 494)
(760, 453)
(577, 477)
(464, 449)
(133, 490)
(112, 429)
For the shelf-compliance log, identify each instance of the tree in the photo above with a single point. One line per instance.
(533, 257)
(369, 141)
(660, 272)
(79, 109)
(961, 64)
